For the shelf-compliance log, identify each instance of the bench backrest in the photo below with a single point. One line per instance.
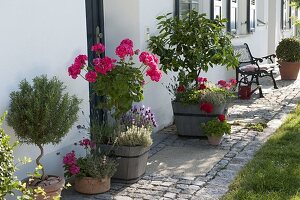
(244, 53)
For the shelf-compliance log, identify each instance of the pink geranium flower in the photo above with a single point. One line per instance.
(70, 158)
(74, 70)
(127, 42)
(91, 76)
(98, 48)
(74, 169)
(155, 74)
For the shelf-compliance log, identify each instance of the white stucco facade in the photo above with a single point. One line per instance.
(42, 37)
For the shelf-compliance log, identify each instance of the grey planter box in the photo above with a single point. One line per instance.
(188, 118)
(132, 162)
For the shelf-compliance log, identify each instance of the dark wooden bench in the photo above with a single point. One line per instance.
(250, 68)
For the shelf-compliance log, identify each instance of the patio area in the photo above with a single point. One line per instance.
(188, 168)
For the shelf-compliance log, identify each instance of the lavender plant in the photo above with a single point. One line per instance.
(139, 116)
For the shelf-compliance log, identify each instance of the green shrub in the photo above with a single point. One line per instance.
(42, 113)
(216, 128)
(288, 50)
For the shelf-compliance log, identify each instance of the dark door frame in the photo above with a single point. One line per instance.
(95, 34)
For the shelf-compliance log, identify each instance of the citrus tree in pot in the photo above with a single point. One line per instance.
(215, 129)
(191, 45)
(41, 114)
(288, 54)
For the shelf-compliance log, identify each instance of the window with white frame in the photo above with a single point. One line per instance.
(251, 15)
(232, 16)
(286, 11)
(184, 6)
(216, 9)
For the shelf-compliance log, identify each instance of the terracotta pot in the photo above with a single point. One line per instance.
(289, 70)
(215, 141)
(52, 186)
(88, 185)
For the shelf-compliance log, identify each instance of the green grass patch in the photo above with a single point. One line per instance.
(260, 126)
(274, 172)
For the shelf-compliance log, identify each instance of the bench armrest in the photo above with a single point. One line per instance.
(268, 57)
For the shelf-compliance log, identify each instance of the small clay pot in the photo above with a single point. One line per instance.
(88, 185)
(53, 186)
(215, 141)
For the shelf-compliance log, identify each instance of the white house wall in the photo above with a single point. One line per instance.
(42, 37)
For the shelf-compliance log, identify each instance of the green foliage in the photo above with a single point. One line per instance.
(295, 3)
(257, 126)
(41, 113)
(192, 44)
(122, 86)
(135, 136)
(288, 50)
(104, 133)
(96, 167)
(216, 128)
(273, 173)
(9, 183)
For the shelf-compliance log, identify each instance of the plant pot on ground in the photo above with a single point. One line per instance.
(130, 146)
(288, 54)
(40, 114)
(92, 172)
(189, 56)
(215, 129)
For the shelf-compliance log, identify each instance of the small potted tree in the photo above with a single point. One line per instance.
(92, 172)
(41, 114)
(288, 54)
(190, 45)
(215, 129)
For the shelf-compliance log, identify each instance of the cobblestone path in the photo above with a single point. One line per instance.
(240, 146)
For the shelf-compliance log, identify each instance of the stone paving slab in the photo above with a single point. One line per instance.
(185, 161)
(236, 150)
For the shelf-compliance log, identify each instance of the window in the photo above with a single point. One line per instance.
(184, 6)
(232, 15)
(286, 11)
(216, 9)
(251, 15)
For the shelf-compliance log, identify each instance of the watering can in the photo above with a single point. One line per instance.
(245, 91)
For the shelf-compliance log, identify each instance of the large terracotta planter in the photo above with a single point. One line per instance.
(88, 185)
(289, 70)
(188, 118)
(132, 162)
(52, 186)
(215, 141)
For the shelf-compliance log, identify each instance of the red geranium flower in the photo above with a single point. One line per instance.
(207, 107)
(181, 88)
(202, 87)
(222, 118)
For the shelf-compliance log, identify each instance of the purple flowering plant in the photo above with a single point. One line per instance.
(139, 116)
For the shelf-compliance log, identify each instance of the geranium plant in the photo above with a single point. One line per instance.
(217, 127)
(120, 81)
(205, 93)
(91, 165)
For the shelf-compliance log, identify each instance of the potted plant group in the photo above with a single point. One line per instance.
(215, 129)
(41, 114)
(92, 172)
(288, 54)
(130, 145)
(200, 103)
(190, 45)
(121, 83)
